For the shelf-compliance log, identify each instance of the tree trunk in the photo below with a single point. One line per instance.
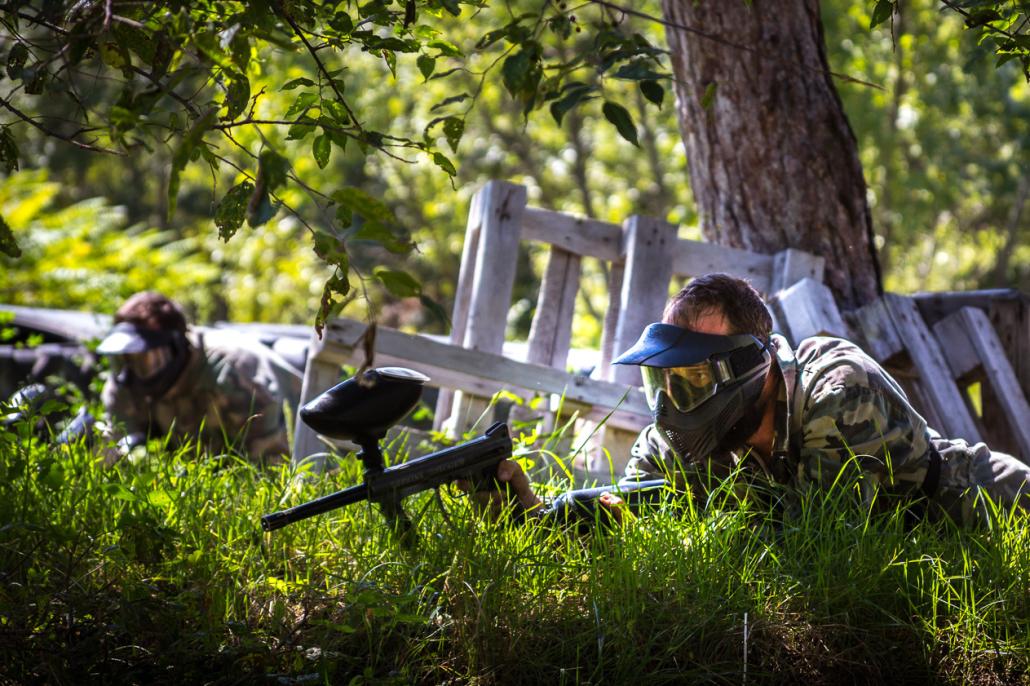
(772, 159)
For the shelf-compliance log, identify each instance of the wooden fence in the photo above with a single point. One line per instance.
(645, 259)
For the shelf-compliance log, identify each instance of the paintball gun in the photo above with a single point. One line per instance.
(362, 409)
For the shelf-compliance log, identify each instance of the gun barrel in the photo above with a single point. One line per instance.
(277, 520)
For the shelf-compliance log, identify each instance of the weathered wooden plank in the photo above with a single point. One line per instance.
(476, 371)
(934, 373)
(616, 273)
(696, 258)
(500, 209)
(791, 266)
(550, 335)
(462, 295)
(879, 336)
(649, 266)
(1009, 312)
(969, 333)
(577, 235)
(499, 234)
(807, 309)
(963, 358)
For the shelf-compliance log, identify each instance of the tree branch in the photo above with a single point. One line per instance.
(54, 134)
(314, 55)
(798, 66)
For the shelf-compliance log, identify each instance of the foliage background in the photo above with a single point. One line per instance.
(944, 146)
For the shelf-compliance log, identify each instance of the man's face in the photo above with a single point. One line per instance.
(714, 322)
(149, 363)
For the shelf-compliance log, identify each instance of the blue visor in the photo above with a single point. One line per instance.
(666, 345)
(128, 339)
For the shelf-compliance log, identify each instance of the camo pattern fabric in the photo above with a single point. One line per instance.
(841, 419)
(228, 398)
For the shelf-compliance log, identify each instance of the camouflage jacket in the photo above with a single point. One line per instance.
(230, 395)
(836, 407)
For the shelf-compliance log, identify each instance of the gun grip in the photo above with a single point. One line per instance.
(487, 482)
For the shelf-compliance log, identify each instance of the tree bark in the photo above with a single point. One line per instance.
(772, 159)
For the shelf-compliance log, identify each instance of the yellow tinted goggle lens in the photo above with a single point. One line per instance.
(687, 387)
(147, 364)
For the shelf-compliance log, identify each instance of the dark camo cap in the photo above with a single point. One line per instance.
(127, 338)
(667, 345)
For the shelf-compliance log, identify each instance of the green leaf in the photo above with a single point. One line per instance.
(573, 94)
(114, 55)
(619, 116)
(297, 83)
(260, 208)
(358, 201)
(708, 99)
(881, 12)
(236, 97)
(16, 60)
(653, 91)
(330, 248)
(34, 78)
(515, 72)
(183, 153)
(426, 65)
(303, 102)
(300, 129)
(272, 169)
(320, 149)
(435, 309)
(401, 284)
(391, 239)
(8, 151)
(637, 70)
(337, 285)
(232, 210)
(8, 245)
(336, 110)
(446, 48)
(453, 128)
(450, 101)
(440, 160)
(341, 21)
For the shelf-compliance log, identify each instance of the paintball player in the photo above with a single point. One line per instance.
(725, 392)
(217, 387)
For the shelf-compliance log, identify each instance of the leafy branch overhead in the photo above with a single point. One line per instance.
(180, 76)
(187, 81)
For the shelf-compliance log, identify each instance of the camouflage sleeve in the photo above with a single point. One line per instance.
(652, 458)
(853, 415)
(249, 404)
(126, 414)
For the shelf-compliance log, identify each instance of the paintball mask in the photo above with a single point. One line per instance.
(702, 388)
(147, 361)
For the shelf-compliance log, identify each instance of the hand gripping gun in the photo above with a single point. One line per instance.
(361, 410)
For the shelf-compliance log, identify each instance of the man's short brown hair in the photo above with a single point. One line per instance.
(736, 299)
(151, 310)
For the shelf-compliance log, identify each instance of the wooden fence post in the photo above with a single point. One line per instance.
(320, 375)
(791, 266)
(498, 214)
(649, 246)
(970, 343)
(806, 309)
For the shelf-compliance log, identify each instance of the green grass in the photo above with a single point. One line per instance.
(157, 572)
